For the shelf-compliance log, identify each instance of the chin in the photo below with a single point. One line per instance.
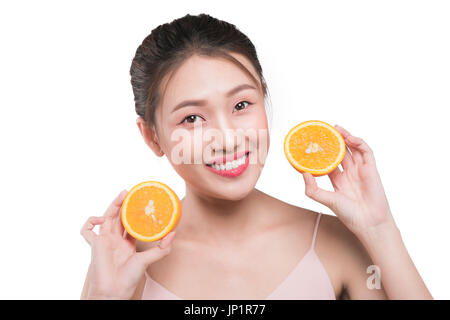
(231, 189)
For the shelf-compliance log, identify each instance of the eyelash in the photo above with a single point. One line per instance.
(249, 103)
(241, 110)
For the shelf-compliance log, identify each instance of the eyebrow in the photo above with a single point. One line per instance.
(203, 102)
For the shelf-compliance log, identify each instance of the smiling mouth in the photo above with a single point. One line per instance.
(229, 165)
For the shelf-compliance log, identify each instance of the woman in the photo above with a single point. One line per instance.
(234, 241)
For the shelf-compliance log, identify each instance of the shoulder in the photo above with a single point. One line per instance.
(332, 229)
(345, 256)
(333, 240)
(336, 237)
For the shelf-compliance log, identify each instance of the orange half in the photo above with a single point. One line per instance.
(314, 146)
(150, 211)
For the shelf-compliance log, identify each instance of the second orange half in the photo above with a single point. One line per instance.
(314, 146)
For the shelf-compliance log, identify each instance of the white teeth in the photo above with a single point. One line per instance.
(231, 164)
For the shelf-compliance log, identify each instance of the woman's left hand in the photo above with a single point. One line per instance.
(359, 200)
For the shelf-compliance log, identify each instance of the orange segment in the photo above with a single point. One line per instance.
(314, 146)
(150, 211)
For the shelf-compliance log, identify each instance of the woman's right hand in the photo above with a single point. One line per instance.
(116, 268)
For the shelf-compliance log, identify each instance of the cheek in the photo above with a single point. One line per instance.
(261, 140)
(257, 124)
(261, 117)
(255, 118)
(186, 148)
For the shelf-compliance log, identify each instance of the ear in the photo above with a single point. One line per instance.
(150, 137)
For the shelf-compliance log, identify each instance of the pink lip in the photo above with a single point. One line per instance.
(233, 172)
(230, 157)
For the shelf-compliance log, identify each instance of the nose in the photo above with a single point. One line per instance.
(231, 139)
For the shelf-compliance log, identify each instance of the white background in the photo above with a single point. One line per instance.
(69, 142)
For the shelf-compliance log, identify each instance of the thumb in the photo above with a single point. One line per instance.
(157, 252)
(327, 198)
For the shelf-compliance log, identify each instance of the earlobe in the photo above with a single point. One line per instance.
(158, 151)
(149, 136)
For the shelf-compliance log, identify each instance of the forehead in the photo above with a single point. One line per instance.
(204, 77)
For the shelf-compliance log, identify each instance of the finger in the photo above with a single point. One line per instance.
(357, 157)
(334, 176)
(117, 226)
(157, 252)
(112, 211)
(347, 161)
(327, 198)
(342, 131)
(355, 153)
(128, 237)
(363, 147)
(115, 205)
(167, 240)
(87, 229)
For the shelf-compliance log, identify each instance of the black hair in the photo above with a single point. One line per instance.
(170, 44)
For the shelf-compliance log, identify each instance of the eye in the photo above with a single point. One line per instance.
(241, 105)
(190, 118)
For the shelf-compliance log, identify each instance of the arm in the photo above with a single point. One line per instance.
(374, 265)
(359, 201)
(86, 285)
(136, 296)
(399, 275)
(139, 289)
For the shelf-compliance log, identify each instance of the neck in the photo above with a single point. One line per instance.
(217, 221)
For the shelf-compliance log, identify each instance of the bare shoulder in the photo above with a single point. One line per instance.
(341, 253)
(337, 239)
(330, 237)
(333, 230)
(346, 259)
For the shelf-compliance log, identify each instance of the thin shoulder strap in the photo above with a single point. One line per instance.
(319, 214)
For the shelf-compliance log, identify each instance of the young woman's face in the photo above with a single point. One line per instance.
(212, 109)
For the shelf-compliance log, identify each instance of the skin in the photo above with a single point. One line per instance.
(229, 228)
